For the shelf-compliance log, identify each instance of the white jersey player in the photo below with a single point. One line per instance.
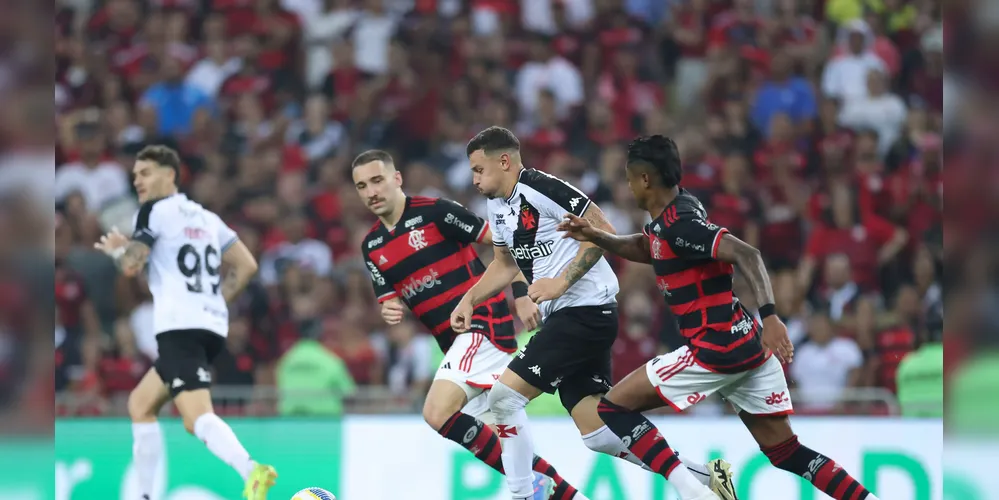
(575, 289)
(184, 246)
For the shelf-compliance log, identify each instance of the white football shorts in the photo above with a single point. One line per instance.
(681, 383)
(474, 364)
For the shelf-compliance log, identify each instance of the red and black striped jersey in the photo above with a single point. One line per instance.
(428, 262)
(724, 336)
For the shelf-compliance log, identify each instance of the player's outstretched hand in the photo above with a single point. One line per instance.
(528, 312)
(775, 338)
(111, 241)
(546, 289)
(392, 311)
(461, 317)
(576, 228)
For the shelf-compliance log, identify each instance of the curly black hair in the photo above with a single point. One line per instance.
(659, 154)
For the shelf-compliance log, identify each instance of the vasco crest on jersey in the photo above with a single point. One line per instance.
(528, 220)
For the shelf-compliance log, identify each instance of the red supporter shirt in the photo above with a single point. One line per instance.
(729, 29)
(923, 215)
(892, 345)
(691, 20)
(734, 211)
(860, 243)
(70, 297)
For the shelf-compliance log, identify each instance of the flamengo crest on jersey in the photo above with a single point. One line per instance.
(525, 224)
(186, 244)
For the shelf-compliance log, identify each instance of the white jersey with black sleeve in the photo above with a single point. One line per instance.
(525, 223)
(186, 244)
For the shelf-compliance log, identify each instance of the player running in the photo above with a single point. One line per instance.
(576, 289)
(726, 351)
(419, 255)
(184, 246)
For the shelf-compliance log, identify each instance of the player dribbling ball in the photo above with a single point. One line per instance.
(313, 494)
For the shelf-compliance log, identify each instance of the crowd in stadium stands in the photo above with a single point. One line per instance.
(811, 129)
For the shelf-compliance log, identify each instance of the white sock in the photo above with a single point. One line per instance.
(686, 484)
(508, 406)
(603, 440)
(700, 471)
(221, 441)
(147, 452)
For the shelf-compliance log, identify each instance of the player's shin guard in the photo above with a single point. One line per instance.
(824, 473)
(648, 444)
(220, 440)
(518, 449)
(478, 438)
(147, 452)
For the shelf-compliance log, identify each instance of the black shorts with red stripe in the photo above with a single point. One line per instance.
(571, 353)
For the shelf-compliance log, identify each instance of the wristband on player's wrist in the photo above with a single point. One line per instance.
(767, 310)
(519, 289)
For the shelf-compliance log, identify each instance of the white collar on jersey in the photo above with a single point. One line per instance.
(514, 192)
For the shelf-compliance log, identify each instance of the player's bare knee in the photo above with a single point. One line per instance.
(436, 413)
(141, 406)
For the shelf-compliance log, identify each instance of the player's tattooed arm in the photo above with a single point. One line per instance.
(589, 253)
(134, 257)
(749, 260)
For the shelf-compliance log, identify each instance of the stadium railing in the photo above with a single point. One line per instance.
(265, 401)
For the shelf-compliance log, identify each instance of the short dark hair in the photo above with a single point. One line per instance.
(370, 156)
(660, 154)
(492, 139)
(163, 156)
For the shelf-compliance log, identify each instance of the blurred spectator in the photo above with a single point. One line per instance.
(320, 30)
(96, 177)
(372, 33)
(208, 74)
(921, 388)
(292, 247)
(547, 70)
(878, 110)
(783, 93)
(840, 295)
(180, 108)
(408, 368)
(899, 331)
(846, 74)
(866, 239)
(312, 381)
(825, 366)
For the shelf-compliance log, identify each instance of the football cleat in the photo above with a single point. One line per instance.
(544, 487)
(722, 482)
(259, 482)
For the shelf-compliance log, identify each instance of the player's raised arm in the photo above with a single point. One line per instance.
(131, 255)
(634, 247)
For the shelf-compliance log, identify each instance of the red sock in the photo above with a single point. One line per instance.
(563, 490)
(824, 473)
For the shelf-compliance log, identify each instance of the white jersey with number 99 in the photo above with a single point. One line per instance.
(185, 262)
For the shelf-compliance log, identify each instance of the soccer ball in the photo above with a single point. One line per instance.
(313, 494)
